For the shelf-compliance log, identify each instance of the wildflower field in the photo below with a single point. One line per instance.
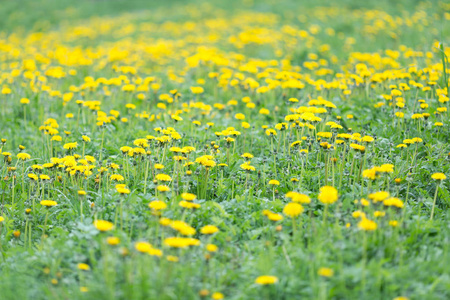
(224, 149)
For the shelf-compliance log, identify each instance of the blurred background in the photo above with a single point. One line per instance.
(42, 15)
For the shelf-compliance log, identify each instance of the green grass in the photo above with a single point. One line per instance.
(349, 53)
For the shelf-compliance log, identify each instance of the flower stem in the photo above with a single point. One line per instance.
(434, 202)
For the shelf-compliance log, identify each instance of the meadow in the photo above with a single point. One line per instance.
(224, 149)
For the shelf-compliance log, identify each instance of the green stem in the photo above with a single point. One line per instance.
(434, 202)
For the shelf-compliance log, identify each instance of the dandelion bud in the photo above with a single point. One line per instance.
(124, 251)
